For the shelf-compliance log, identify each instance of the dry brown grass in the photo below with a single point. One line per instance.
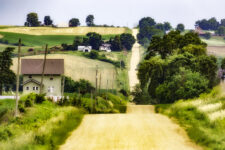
(78, 67)
(1, 36)
(64, 31)
(216, 50)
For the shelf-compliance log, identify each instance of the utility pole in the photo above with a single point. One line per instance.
(100, 80)
(112, 82)
(18, 78)
(43, 70)
(96, 86)
(63, 85)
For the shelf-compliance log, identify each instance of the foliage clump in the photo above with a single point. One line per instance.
(176, 67)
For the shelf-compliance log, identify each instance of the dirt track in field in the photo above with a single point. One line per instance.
(135, 58)
(216, 50)
(139, 129)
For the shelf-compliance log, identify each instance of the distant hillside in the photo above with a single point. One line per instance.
(64, 31)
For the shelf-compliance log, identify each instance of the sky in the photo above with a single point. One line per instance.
(113, 12)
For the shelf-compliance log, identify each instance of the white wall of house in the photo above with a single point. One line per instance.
(52, 85)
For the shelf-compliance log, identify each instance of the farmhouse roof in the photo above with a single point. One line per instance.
(35, 66)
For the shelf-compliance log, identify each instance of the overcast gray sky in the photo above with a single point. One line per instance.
(116, 12)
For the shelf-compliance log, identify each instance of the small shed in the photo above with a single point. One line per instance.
(84, 48)
(105, 47)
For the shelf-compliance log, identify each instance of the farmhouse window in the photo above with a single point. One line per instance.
(51, 78)
(27, 88)
(34, 88)
(30, 76)
(50, 89)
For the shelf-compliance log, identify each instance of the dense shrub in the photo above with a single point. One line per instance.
(93, 55)
(39, 98)
(21, 108)
(185, 84)
(28, 103)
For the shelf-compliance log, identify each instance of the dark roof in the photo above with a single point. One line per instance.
(35, 66)
(32, 80)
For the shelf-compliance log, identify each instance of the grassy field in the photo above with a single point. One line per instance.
(203, 118)
(122, 74)
(78, 67)
(43, 126)
(40, 40)
(64, 31)
(215, 41)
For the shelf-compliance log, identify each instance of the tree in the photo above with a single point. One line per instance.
(223, 64)
(210, 24)
(222, 22)
(32, 20)
(196, 50)
(48, 21)
(207, 66)
(7, 76)
(127, 40)
(148, 32)
(180, 27)
(207, 35)
(183, 85)
(221, 31)
(115, 43)
(74, 22)
(146, 22)
(77, 42)
(90, 20)
(95, 40)
(167, 26)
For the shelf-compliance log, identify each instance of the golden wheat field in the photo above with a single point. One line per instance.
(78, 67)
(65, 31)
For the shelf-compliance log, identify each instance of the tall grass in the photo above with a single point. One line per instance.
(210, 134)
(43, 126)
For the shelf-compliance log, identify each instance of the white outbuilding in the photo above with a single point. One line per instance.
(84, 48)
(105, 47)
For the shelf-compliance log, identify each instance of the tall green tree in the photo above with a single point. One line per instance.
(7, 76)
(146, 22)
(48, 21)
(127, 40)
(221, 31)
(180, 27)
(90, 20)
(115, 43)
(223, 63)
(95, 40)
(32, 20)
(167, 26)
(74, 22)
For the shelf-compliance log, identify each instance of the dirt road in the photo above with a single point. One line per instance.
(135, 58)
(139, 129)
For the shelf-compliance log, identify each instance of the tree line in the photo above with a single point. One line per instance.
(176, 67)
(212, 24)
(118, 42)
(32, 20)
(148, 28)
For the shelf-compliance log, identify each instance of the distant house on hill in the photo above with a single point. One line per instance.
(84, 48)
(31, 70)
(199, 31)
(105, 47)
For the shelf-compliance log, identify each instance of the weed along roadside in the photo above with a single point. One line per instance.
(43, 124)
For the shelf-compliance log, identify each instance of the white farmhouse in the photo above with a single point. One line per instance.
(84, 48)
(105, 47)
(31, 70)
